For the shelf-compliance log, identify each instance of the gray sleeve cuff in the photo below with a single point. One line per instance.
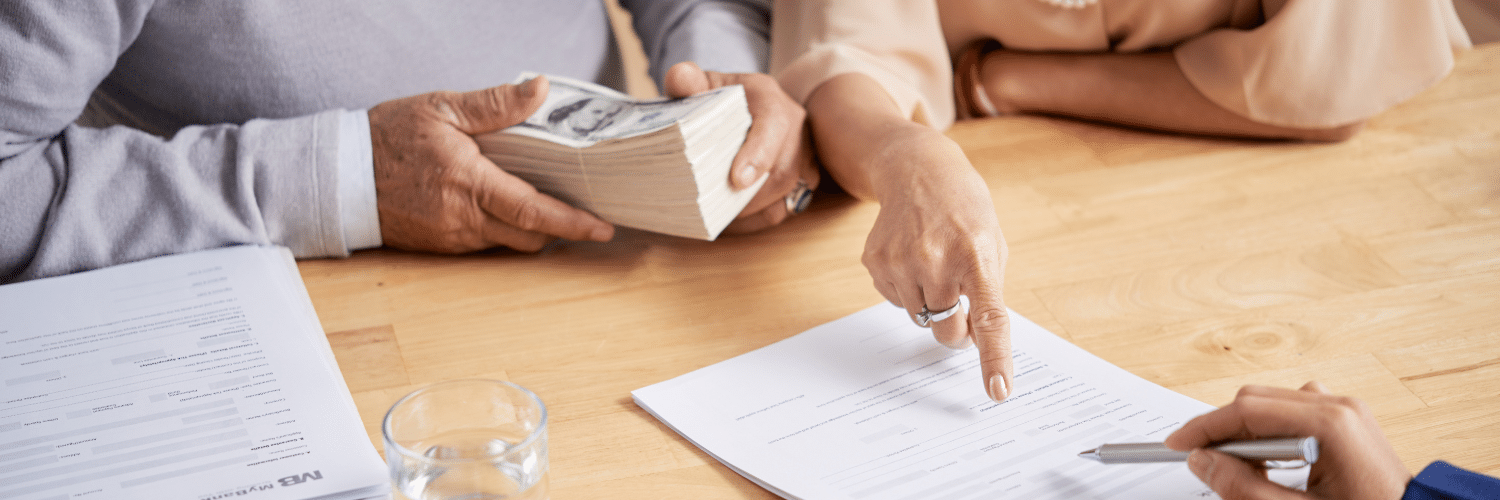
(295, 170)
(356, 185)
(98, 197)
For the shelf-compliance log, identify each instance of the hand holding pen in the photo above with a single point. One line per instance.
(1355, 461)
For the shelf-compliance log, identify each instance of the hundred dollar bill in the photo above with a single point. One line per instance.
(657, 165)
(580, 114)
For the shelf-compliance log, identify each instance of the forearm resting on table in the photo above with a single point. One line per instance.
(1145, 90)
(855, 122)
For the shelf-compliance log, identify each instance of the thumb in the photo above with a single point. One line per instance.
(685, 79)
(1235, 479)
(494, 108)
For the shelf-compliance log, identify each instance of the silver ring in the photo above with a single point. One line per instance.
(926, 318)
(800, 197)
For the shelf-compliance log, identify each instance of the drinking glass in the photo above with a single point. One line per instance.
(468, 440)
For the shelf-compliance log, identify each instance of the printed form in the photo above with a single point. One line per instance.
(869, 407)
(197, 376)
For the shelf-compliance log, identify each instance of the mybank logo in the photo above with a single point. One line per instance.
(296, 479)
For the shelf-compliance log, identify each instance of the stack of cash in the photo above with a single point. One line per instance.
(661, 165)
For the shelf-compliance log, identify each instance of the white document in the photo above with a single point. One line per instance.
(870, 407)
(196, 376)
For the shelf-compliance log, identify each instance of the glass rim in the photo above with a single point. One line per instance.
(531, 438)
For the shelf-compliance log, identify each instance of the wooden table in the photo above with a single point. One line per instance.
(1372, 265)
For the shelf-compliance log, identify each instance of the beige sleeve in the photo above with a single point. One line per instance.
(1325, 63)
(898, 43)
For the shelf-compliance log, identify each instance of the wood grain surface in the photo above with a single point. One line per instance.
(1200, 264)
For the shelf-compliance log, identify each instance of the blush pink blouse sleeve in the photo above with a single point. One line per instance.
(897, 43)
(1325, 63)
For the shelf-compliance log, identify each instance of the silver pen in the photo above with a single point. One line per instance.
(1279, 449)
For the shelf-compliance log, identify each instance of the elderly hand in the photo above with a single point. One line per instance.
(437, 193)
(1355, 461)
(778, 143)
(936, 238)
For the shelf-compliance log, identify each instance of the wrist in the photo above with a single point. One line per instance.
(1018, 82)
(912, 159)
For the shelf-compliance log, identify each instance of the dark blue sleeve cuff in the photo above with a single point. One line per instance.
(1441, 481)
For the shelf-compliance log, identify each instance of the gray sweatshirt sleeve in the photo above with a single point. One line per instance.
(74, 198)
(731, 36)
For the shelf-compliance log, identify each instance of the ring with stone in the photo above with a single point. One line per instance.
(800, 197)
(926, 318)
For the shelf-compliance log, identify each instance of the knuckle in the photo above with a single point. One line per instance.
(1360, 408)
(1350, 409)
(480, 107)
(496, 97)
(874, 259)
(1250, 400)
(798, 113)
(441, 103)
(436, 98)
(526, 215)
(1245, 393)
(500, 100)
(932, 256)
(452, 242)
(986, 318)
(449, 227)
(1338, 415)
(985, 250)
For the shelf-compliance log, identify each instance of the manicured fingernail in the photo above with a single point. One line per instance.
(998, 390)
(745, 176)
(1200, 462)
(602, 233)
(528, 88)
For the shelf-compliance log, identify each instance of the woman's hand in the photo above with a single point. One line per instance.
(777, 146)
(1355, 461)
(936, 238)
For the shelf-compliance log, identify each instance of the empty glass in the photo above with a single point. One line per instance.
(468, 440)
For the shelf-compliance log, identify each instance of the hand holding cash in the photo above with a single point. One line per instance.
(435, 192)
(522, 164)
(658, 165)
(778, 145)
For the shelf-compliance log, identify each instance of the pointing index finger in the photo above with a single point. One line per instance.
(989, 323)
